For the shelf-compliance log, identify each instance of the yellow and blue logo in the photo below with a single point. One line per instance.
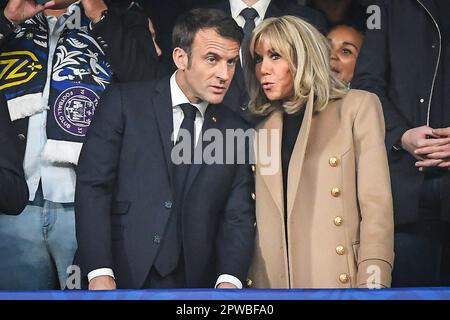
(18, 67)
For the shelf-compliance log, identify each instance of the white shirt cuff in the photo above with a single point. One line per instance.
(100, 272)
(229, 278)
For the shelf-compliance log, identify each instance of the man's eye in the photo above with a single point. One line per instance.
(211, 59)
(257, 59)
(232, 62)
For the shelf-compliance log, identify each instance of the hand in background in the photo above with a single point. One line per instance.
(438, 153)
(17, 11)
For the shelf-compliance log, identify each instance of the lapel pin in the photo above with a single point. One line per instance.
(214, 119)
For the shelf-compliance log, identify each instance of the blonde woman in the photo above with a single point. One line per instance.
(324, 216)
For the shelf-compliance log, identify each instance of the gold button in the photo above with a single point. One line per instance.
(338, 221)
(253, 168)
(253, 196)
(344, 278)
(249, 283)
(340, 250)
(334, 162)
(335, 192)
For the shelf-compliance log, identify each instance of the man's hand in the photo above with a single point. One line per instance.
(438, 154)
(17, 11)
(417, 138)
(94, 9)
(102, 283)
(226, 285)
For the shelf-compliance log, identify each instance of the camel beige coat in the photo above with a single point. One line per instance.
(340, 216)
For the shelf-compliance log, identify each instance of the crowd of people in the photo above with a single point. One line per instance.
(324, 146)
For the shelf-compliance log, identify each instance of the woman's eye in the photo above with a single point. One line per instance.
(275, 56)
(347, 51)
(257, 59)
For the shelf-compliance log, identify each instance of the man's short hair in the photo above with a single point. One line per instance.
(194, 20)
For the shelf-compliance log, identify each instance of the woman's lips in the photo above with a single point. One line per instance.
(267, 85)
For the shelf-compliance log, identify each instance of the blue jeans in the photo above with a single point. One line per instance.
(37, 246)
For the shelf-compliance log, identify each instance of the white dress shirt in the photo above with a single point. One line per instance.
(178, 98)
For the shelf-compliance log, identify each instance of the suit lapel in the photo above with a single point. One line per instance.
(162, 106)
(298, 156)
(272, 131)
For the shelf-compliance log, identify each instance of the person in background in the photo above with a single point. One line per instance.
(346, 42)
(341, 11)
(406, 62)
(55, 66)
(324, 209)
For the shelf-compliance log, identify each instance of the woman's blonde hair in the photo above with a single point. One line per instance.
(307, 52)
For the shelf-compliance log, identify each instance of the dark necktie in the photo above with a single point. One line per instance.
(170, 251)
(249, 14)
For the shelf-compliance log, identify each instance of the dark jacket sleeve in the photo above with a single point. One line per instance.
(13, 186)
(128, 45)
(236, 235)
(96, 175)
(372, 74)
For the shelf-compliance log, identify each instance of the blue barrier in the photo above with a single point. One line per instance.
(215, 294)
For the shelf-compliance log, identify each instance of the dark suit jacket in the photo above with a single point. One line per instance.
(237, 96)
(124, 194)
(398, 63)
(13, 187)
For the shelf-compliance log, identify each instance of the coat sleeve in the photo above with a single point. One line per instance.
(13, 186)
(128, 45)
(96, 175)
(376, 253)
(372, 74)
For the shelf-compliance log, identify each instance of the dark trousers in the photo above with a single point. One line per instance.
(422, 250)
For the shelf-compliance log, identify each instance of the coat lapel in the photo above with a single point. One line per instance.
(272, 131)
(298, 156)
(162, 106)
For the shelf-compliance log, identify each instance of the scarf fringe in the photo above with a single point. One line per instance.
(65, 152)
(26, 106)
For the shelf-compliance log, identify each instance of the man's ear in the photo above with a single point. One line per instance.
(180, 58)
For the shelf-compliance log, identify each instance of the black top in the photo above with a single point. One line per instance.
(291, 128)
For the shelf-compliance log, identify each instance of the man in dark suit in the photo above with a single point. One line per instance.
(143, 219)
(408, 66)
(13, 186)
(248, 14)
